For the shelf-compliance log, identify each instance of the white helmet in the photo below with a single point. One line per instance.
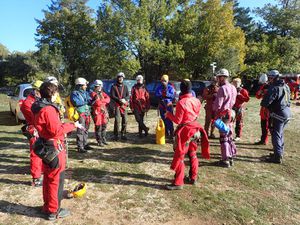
(237, 81)
(98, 83)
(139, 77)
(121, 74)
(223, 72)
(273, 73)
(81, 81)
(51, 80)
(263, 78)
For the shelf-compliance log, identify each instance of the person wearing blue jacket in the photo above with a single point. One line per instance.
(166, 94)
(81, 99)
(277, 100)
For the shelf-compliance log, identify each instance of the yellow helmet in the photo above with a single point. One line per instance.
(78, 191)
(37, 84)
(164, 77)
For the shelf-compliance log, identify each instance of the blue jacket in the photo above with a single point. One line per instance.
(169, 94)
(277, 98)
(80, 99)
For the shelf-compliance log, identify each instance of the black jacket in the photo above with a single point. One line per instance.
(277, 97)
(116, 90)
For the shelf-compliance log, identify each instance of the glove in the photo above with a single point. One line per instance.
(79, 126)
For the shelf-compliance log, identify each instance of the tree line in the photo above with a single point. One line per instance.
(152, 37)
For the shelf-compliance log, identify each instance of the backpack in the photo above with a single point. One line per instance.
(71, 111)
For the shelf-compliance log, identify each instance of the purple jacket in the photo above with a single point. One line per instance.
(225, 98)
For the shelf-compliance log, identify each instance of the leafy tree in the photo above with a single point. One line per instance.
(137, 33)
(277, 46)
(69, 28)
(4, 52)
(208, 34)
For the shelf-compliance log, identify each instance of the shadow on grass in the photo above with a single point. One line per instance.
(12, 140)
(9, 169)
(134, 155)
(14, 182)
(20, 209)
(12, 156)
(117, 178)
(242, 158)
(6, 119)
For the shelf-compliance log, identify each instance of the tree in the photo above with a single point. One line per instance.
(208, 34)
(277, 46)
(242, 17)
(69, 28)
(4, 52)
(137, 33)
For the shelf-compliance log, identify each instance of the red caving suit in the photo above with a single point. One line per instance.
(50, 128)
(241, 98)
(35, 161)
(187, 111)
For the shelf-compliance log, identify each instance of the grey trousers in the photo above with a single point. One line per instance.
(118, 117)
(81, 135)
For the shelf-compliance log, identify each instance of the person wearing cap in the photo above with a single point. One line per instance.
(241, 99)
(277, 100)
(187, 135)
(140, 104)
(82, 100)
(120, 95)
(52, 131)
(209, 95)
(223, 104)
(264, 112)
(165, 92)
(99, 112)
(31, 133)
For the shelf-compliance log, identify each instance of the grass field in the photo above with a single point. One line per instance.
(126, 180)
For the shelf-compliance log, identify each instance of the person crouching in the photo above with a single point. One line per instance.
(99, 112)
(187, 135)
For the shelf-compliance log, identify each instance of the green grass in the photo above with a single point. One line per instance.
(126, 180)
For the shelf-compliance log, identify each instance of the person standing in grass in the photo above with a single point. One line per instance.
(120, 95)
(264, 112)
(277, 100)
(223, 104)
(140, 104)
(99, 112)
(241, 98)
(165, 92)
(81, 99)
(209, 95)
(187, 135)
(31, 133)
(51, 133)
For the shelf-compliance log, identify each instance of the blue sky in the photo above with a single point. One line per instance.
(18, 26)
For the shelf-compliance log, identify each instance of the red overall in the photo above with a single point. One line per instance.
(264, 114)
(187, 111)
(35, 161)
(99, 111)
(50, 127)
(241, 98)
(139, 99)
(294, 89)
(209, 95)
